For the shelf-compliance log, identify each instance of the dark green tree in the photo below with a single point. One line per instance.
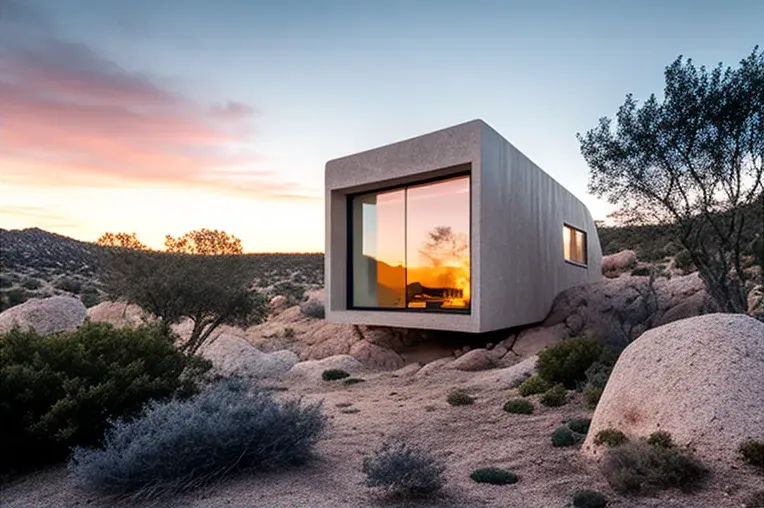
(693, 159)
(210, 290)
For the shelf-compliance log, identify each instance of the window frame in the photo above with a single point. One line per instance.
(349, 305)
(585, 264)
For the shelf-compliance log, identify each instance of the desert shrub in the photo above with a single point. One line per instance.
(592, 395)
(610, 437)
(661, 438)
(554, 397)
(294, 293)
(334, 374)
(753, 452)
(755, 500)
(60, 390)
(12, 297)
(69, 285)
(534, 385)
(460, 398)
(641, 271)
(568, 361)
(353, 381)
(683, 260)
(176, 446)
(6, 281)
(563, 436)
(404, 470)
(31, 283)
(589, 499)
(90, 297)
(639, 468)
(494, 476)
(580, 425)
(518, 406)
(313, 308)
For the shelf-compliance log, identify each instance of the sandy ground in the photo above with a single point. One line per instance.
(414, 409)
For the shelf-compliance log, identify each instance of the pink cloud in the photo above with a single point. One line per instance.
(70, 117)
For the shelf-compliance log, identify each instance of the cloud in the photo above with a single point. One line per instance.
(70, 116)
(38, 214)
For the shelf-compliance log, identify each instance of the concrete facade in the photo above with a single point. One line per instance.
(516, 239)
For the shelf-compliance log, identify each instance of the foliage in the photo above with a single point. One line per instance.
(518, 406)
(592, 396)
(460, 398)
(640, 468)
(31, 283)
(294, 293)
(753, 452)
(405, 470)
(59, 390)
(563, 436)
(580, 425)
(12, 297)
(534, 385)
(696, 160)
(313, 308)
(598, 373)
(683, 260)
(90, 297)
(641, 271)
(661, 438)
(123, 240)
(556, 396)
(494, 476)
(6, 281)
(208, 290)
(610, 437)
(177, 446)
(567, 361)
(69, 285)
(204, 241)
(334, 374)
(589, 499)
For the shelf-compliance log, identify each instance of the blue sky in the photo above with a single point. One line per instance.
(287, 85)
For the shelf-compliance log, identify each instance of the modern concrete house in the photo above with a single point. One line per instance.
(452, 230)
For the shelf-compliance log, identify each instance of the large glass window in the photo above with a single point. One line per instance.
(411, 247)
(574, 244)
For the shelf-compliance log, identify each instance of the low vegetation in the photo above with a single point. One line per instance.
(519, 406)
(753, 453)
(592, 396)
(661, 438)
(494, 476)
(178, 446)
(566, 363)
(534, 385)
(579, 425)
(589, 499)
(334, 374)
(460, 398)
(404, 470)
(556, 396)
(640, 468)
(610, 437)
(61, 390)
(563, 436)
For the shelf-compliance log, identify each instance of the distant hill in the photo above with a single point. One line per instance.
(40, 251)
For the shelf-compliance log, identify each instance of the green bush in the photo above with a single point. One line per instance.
(31, 283)
(6, 281)
(641, 271)
(563, 436)
(69, 285)
(753, 452)
(13, 297)
(334, 374)
(683, 260)
(640, 468)
(60, 390)
(592, 395)
(90, 297)
(556, 396)
(534, 385)
(404, 470)
(568, 361)
(519, 406)
(494, 476)
(610, 437)
(589, 499)
(661, 438)
(177, 446)
(580, 426)
(460, 398)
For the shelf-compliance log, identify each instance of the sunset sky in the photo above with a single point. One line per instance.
(163, 116)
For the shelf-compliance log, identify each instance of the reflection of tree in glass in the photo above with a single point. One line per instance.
(443, 247)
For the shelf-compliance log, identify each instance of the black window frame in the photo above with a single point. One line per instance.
(585, 264)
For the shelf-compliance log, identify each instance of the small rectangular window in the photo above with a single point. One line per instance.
(574, 244)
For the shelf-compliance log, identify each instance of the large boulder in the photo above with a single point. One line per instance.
(376, 357)
(117, 313)
(232, 355)
(477, 359)
(508, 377)
(45, 315)
(700, 379)
(619, 262)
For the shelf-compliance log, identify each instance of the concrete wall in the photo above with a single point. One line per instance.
(517, 217)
